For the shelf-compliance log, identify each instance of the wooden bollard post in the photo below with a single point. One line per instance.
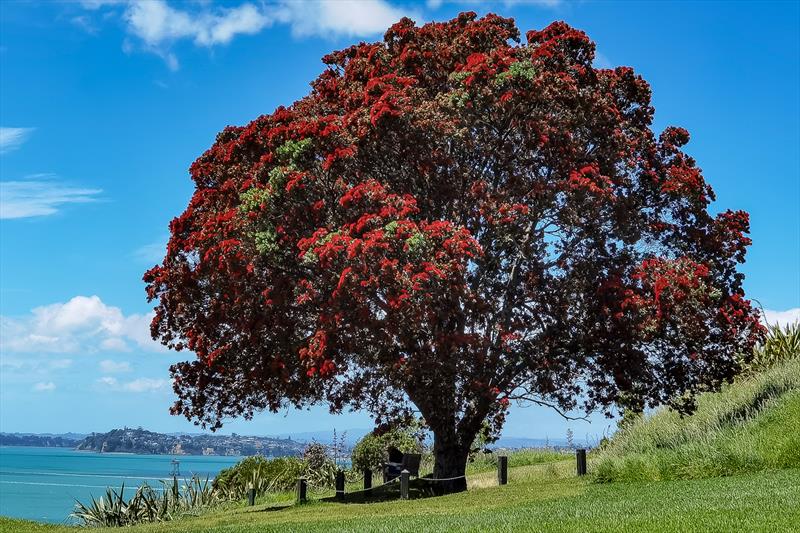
(302, 490)
(367, 478)
(580, 455)
(502, 469)
(404, 476)
(251, 495)
(340, 485)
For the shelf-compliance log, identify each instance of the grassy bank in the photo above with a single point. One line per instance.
(538, 498)
(732, 466)
(750, 426)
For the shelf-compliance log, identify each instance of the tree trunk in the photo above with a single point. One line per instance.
(450, 457)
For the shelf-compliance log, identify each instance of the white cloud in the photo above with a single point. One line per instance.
(436, 4)
(107, 366)
(158, 24)
(353, 18)
(27, 366)
(107, 381)
(155, 22)
(137, 385)
(13, 138)
(783, 318)
(44, 386)
(40, 195)
(145, 385)
(84, 324)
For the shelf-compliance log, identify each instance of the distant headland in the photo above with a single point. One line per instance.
(141, 441)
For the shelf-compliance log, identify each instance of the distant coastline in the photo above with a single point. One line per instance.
(138, 441)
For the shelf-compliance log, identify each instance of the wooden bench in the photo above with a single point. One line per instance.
(400, 461)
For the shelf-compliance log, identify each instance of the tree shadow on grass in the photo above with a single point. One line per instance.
(417, 489)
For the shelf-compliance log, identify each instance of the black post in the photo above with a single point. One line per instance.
(251, 497)
(502, 469)
(367, 478)
(340, 485)
(580, 454)
(302, 490)
(404, 476)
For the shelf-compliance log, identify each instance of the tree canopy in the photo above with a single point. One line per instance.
(450, 220)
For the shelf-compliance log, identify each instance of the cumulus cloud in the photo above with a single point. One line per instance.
(107, 381)
(44, 386)
(155, 22)
(782, 318)
(40, 195)
(107, 366)
(352, 18)
(137, 385)
(83, 324)
(145, 385)
(13, 138)
(27, 366)
(158, 24)
(436, 4)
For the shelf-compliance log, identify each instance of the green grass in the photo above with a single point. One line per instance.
(750, 426)
(538, 498)
(733, 466)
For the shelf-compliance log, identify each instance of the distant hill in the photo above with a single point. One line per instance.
(44, 440)
(141, 441)
(351, 436)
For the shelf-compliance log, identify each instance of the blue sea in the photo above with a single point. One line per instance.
(43, 483)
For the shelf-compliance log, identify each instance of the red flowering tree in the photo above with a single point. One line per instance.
(451, 220)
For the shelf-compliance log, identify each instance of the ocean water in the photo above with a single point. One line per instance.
(43, 483)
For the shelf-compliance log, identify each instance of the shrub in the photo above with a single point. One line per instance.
(147, 504)
(372, 449)
(781, 344)
(261, 473)
(319, 468)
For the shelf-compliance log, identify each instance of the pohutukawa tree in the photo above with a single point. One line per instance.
(449, 221)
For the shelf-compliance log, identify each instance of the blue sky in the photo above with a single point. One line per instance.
(105, 104)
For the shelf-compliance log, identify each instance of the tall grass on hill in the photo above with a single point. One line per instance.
(751, 425)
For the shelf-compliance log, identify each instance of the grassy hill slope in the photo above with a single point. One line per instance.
(750, 426)
(733, 466)
(538, 498)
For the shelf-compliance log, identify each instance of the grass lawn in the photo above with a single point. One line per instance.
(538, 498)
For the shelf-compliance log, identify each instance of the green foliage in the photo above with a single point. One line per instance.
(391, 227)
(260, 473)
(278, 474)
(372, 449)
(320, 469)
(277, 179)
(751, 425)
(266, 241)
(147, 504)
(418, 245)
(251, 199)
(781, 344)
(291, 151)
(519, 69)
